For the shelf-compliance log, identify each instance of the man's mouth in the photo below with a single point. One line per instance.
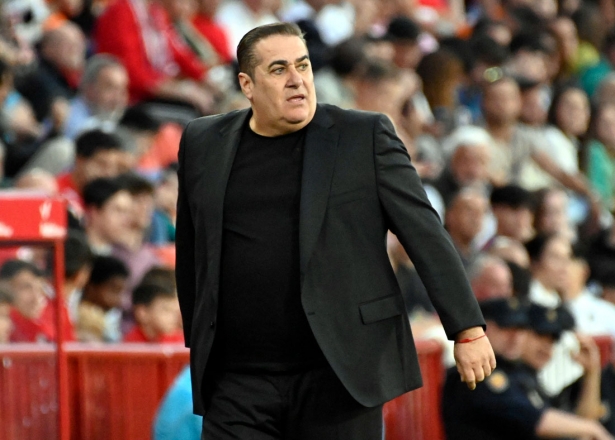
(296, 98)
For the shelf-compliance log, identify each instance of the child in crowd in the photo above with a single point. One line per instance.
(6, 325)
(156, 311)
(100, 311)
(26, 285)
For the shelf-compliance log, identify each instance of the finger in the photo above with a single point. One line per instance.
(471, 385)
(487, 370)
(479, 375)
(492, 363)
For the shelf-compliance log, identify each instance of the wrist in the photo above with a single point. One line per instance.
(469, 333)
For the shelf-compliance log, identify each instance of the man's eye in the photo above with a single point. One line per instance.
(278, 70)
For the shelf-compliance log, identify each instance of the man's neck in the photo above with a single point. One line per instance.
(97, 242)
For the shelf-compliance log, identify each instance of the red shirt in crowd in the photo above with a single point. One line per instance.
(140, 35)
(137, 335)
(28, 330)
(68, 189)
(214, 34)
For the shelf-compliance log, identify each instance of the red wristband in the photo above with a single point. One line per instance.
(465, 341)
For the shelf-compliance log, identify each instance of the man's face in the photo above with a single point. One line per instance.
(552, 268)
(494, 282)
(537, 350)
(108, 295)
(469, 164)
(407, 55)
(163, 315)
(466, 215)
(6, 325)
(282, 91)
(113, 219)
(28, 294)
(506, 342)
(514, 222)
(109, 93)
(104, 163)
(502, 101)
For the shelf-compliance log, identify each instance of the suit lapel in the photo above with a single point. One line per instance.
(220, 170)
(318, 165)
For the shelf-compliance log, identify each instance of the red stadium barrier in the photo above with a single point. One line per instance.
(605, 344)
(416, 415)
(114, 391)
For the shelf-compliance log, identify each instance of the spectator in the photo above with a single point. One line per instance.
(163, 221)
(511, 251)
(55, 81)
(467, 150)
(38, 180)
(215, 35)
(239, 16)
(156, 311)
(99, 154)
(100, 309)
(6, 325)
(77, 266)
(25, 283)
(512, 208)
(464, 220)
(490, 278)
(600, 162)
(592, 315)
(175, 419)
(550, 257)
(108, 214)
(551, 213)
(153, 54)
(102, 98)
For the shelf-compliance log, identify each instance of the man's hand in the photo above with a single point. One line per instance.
(475, 360)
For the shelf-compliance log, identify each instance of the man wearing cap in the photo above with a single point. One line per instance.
(507, 405)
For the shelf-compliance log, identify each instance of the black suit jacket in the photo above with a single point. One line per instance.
(357, 183)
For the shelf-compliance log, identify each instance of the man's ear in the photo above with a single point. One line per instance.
(247, 84)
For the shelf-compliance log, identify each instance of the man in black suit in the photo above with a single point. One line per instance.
(295, 321)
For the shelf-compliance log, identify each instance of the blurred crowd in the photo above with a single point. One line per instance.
(506, 107)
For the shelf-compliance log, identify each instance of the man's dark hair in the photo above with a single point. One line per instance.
(160, 275)
(137, 118)
(145, 294)
(135, 184)
(488, 51)
(77, 253)
(106, 267)
(536, 246)
(512, 196)
(91, 142)
(345, 57)
(246, 56)
(97, 192)
(10, 268)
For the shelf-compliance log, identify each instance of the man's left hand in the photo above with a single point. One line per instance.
(475, 360)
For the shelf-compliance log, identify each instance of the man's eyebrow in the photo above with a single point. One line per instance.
(285, 63)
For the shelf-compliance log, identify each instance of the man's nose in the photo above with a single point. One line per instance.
(294, 78)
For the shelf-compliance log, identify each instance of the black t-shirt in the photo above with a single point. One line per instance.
(261, 322)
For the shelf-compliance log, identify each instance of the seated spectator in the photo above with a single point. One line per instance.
(510, 250)
(215, 35)
(102, 97)
(467, 151)
(77, 266)
(55, 81)
(237, 17)
(25, 283)
(38, 180)
(551, 213)
(599, 155)
(512, 208)
(99, 314)
(547, 325)
(157, 316)
(490, 277)
(175, 419)
(27, 142)
(108, 211)
(464, 221)
(165, 197)
(6, 325)
(154, 56)
(99, 154)
(592, 315)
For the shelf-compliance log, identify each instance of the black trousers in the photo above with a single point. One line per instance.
(311, 405)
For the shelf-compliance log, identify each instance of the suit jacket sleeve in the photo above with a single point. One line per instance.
(185, 272)
(417, 226)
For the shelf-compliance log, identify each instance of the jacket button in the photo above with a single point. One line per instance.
(212, 324)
